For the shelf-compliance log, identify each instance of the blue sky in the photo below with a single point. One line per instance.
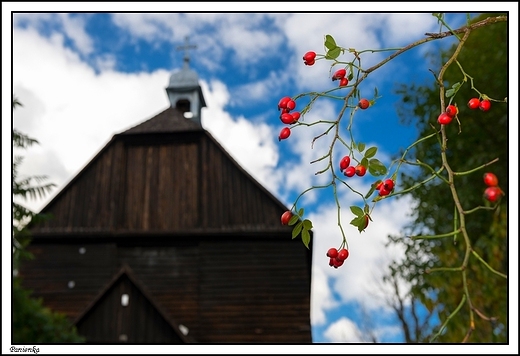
(84, 77)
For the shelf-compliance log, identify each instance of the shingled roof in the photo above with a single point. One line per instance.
(168, 121)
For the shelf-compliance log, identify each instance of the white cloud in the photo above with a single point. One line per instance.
(321, 297)
(240, 33)
(392, 26)
(343, 330)
(74, 28)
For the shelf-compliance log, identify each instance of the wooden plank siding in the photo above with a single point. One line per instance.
(137, 322)
(254, 291)
(230, 290)
(173, 186)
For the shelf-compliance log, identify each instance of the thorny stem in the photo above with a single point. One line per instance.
(487, 265)
(345, 241)
(444, 269)
(467, 212)
(306, 191)
(475, 169)
(439, 236)
(443, 326)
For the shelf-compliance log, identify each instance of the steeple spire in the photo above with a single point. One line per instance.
(186, 47)
(184, 91)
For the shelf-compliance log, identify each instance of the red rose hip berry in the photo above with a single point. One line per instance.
(287, 118)
(350, 171)
(332, 252)
(360, 170)
(364, 104)
(473, 103)
(282, 104)
(384, 191)
(344, 163)
(490, 179)
(335, 262)
(444, 119)
(309, 58)
(484, 105)
(389, 184)
(291, 104)
(286, 217)
(385, 187)
(339, 74)
(452, 111)
(492, 194)
(284, 133)
(342, 254)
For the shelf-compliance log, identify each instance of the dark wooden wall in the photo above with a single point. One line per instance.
(231, 290)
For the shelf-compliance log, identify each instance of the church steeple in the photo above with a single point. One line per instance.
(184, 91)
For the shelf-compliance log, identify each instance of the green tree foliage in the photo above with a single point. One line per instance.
(480, 138)
(32, 323)
(35, 324)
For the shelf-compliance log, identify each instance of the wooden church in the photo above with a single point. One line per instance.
(163, 238)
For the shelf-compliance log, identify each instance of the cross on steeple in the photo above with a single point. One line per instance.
(186, 47)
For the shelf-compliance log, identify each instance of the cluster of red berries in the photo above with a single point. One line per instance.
(451, 111)
(337, 258)
(385, 187)
(350, 171)
(309, 58)
(476, 103)
(493, 191)
(340, 75)
(448, 115)
(286, 105)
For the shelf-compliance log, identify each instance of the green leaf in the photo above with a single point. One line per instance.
(297, 229)
(330, 43)
(356, 210)
(307, 224)
(364, 162)
(375, 92)
(450, 93)
(333, 53)
(376, 168)
(357, 221)
(300, 212)
(293, 219)
(361, 146)
(456, 85)
(371, 152)
(306, 238)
